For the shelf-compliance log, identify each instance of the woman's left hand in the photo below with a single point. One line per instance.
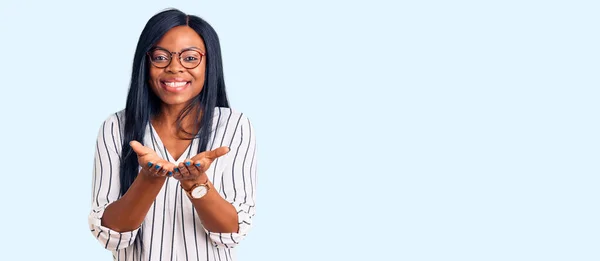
(192, 169)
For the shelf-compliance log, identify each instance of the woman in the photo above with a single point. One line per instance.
(175, 171)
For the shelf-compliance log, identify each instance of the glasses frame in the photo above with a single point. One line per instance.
(149, 54)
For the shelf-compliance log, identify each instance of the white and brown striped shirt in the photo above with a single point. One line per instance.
(172, 229)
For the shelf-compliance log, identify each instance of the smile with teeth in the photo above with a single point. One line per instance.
(175, 84)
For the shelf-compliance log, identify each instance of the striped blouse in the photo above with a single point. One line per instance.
(172, 229)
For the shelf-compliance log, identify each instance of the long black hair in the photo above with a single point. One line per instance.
(142, 104)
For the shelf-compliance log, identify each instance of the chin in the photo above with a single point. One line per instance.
(175, 100)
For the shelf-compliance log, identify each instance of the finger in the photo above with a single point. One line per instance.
(192, 170)
(172, 168)
(218, 152)
(164, 171)
(155, 169)
(202, 165)
(184, 168)
(176, 172)
(140, 149)
(149, 165)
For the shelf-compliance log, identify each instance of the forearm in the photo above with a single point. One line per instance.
(217, 215)
(129, 211)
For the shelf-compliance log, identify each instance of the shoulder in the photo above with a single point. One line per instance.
(115, 117)
(229, 116)
(113, 122)
(232, 123)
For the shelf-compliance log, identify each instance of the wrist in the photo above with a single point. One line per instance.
(145, 177)
(188, 184)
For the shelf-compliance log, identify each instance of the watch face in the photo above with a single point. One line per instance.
(199, 192)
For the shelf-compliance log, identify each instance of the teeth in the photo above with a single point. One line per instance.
(175, 84)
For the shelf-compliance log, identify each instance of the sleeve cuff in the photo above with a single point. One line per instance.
(230, 240)
(110, 239)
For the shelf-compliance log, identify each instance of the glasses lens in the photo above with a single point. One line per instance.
(160, 58)
(190, 59)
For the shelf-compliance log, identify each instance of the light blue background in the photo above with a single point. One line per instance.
(399, 130)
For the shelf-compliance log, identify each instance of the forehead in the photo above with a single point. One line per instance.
(181, 37)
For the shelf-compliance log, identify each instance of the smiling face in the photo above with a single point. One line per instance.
(177, 69)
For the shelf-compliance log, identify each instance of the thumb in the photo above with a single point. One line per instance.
(218, 152)
(139, 149)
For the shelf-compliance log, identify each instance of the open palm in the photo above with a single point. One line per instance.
(151, 163)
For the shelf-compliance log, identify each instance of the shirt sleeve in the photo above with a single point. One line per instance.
(239, 184)
(106, 185)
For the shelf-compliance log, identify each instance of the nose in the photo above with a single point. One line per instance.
(175, 64)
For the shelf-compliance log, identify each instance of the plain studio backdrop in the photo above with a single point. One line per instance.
(398, 130)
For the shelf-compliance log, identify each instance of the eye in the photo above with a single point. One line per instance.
(159, 56)
(190, 56)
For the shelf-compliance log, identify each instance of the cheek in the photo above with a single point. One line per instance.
(153, 76)
(198, 75)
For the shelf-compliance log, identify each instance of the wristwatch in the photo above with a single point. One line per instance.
(198, 190)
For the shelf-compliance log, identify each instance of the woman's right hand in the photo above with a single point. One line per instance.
(152, 165)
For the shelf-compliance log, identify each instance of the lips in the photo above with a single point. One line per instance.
(174, 85)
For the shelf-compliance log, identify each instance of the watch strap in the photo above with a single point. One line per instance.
(189, 191)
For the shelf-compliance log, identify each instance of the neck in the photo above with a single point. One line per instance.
(167, 119)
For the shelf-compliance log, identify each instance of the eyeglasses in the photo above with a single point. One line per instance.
(189, 58)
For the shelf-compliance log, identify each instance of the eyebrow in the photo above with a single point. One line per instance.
(182, 50)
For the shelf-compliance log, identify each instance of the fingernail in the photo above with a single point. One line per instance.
(157, 167)
(197, 164)
(150, 164)
(188, 163)
(176, 169)
(170, 173)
